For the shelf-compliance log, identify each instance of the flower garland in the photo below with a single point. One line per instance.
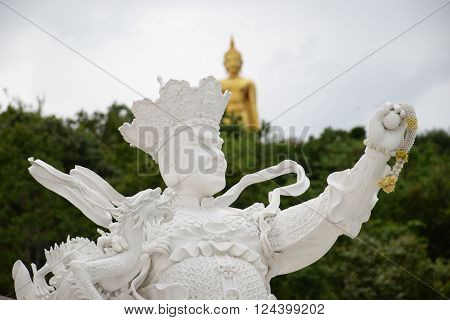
(389, 181)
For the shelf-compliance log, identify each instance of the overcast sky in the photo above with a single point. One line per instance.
(289, 48)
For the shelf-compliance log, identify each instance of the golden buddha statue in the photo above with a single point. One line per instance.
(243, 99)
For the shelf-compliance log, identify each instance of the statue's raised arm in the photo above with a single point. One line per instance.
(302, 234)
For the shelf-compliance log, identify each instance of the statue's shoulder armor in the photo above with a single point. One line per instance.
(178, 222)
(244, 219)
(236, 219)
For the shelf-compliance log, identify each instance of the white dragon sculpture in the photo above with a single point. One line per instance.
(120, 260)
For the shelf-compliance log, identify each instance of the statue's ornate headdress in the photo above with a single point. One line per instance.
(179, 105)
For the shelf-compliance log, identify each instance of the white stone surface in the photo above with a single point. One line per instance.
(183, 243)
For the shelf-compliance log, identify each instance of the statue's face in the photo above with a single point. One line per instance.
(192, 163)
(233, 64)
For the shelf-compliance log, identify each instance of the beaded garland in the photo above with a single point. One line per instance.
(388, 182)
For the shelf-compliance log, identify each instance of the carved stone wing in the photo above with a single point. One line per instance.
(83, 188)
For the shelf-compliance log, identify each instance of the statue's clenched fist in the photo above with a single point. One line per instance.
(387, 127)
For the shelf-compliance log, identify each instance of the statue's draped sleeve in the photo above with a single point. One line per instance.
(302, 234)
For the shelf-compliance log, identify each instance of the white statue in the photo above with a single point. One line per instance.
(185, 244)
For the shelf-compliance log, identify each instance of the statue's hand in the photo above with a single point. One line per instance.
(387, 127)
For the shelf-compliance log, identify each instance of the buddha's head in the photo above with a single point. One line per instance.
(233, 60)
(180, 131)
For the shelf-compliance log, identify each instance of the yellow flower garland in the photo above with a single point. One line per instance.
(401, 154)
(411, 123)
(388, 183)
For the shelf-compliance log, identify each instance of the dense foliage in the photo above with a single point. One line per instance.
(402, 252)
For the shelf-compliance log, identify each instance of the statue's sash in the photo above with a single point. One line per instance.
(284, 167)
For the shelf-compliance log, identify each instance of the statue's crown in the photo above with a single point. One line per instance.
(179, 104)
(232, 52)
